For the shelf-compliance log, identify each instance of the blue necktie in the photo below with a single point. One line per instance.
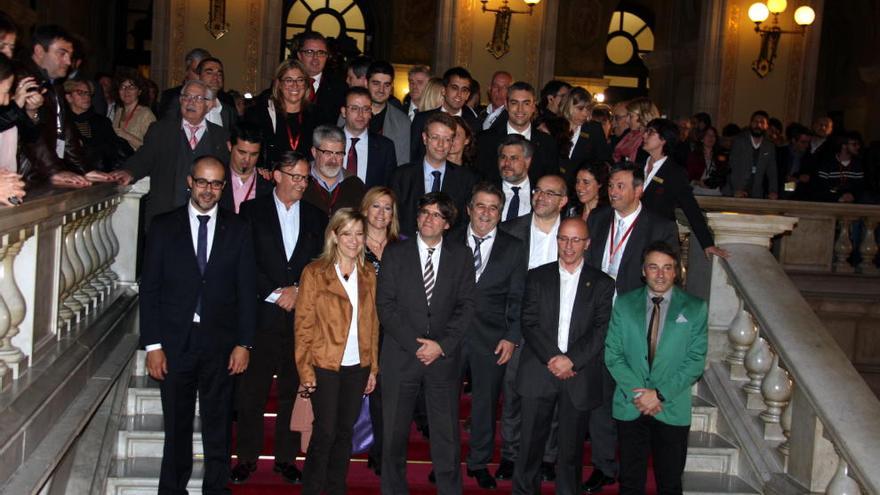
(435, 187)
(513, 209)
(202, 252)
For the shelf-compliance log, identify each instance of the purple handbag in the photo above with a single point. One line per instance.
(362, 435)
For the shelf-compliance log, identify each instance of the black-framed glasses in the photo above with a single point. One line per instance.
(290, 81)
(296, 177)
(315, 53)
(306, 392)
(436, 215)
(335, 154)
(195, 98)
(536, 191)
(574, 240)
(202, 183)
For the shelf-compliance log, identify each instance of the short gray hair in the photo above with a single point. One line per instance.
(528, 149)
(324, 133)
(209, 93)
(195, 55)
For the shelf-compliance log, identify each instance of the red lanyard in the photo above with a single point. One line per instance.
(612, 249)
(125, 124)
(251, 187)
(294, 143)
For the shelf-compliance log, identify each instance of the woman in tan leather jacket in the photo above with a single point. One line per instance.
(337, 347)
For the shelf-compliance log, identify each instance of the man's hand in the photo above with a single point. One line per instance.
(69, 179)
(505, 349)
(157, 365)
(238, 360)
(11, 185)
(561, 367)
(429, 351)
(717, 251)
(773, 195)
(123, 177)
(98, 176)
(740, 194)
(371, 384)
(22, 93)
(265, 173)
(287, 301)
(646, 401)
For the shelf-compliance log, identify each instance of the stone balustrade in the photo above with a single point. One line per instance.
(826, 237)
(812, 416)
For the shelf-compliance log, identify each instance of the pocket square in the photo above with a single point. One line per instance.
(681, 319)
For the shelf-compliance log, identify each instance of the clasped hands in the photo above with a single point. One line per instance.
(647, 402)
(561, 367)
(429, 351)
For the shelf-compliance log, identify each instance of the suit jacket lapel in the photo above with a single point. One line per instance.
(186, 237)
(581, 303)
(676, 307)
(219, 237)
(553, 299)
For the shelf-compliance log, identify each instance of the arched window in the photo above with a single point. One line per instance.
(630, 37)
(332, 18)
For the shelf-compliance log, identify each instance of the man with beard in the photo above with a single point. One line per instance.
(753, 162)
(244, 183)
(332, 187)
(514, 160)
(197, 319)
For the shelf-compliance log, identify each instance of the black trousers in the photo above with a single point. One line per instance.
(511, 420)
(603, 439)
(486, 378)
(202, 369)
(537, 415)
(272, 355)
(336, 403)
(643, 437)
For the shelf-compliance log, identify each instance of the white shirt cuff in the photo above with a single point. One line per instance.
(273, 296)
(153, 347)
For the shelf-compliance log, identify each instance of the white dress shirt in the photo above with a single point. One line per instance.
(620, 226)
(656, 168)
(525, 190)
(491, 115)
(317, 82)
(526, 133)
(429, 175)
(542, 247)
(411, 112)
(200, 131)
(362, 149)
(288, 221)
(575, 135)
(568, 284)
(485, 247)
(352, 354)
(423, 256)
(214, 114)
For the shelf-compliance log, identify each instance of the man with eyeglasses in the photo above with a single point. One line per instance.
(425, 302)
(332, 186)
(170, 146)
(431, 173)
(456, 91)
(619, 123)
(288, 234)
(368, 155)
(197, 323)
(327, 93)
(105, 150)
(565, 313)
(168, 102)
(387, 120)
(538, 232)
(222, 112)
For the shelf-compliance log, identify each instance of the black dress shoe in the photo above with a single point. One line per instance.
(432, 478)
(375, 465)
(548, 471)
(242, 471)
(484, 479)
(597, 480)
(505, 470)
(289, 472)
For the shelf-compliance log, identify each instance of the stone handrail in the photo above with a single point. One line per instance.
(817, 417)
(822, 240)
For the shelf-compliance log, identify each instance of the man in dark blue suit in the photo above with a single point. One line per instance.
(197, 316)
(368, 155)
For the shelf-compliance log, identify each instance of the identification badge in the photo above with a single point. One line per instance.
(59, 148)
(658, 180)
(585, 135)
(790, 186)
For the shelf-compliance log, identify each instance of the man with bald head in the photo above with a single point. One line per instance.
(197, 319)
(497, 93)
(565, 315)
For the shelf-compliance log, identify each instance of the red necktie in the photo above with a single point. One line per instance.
(193, 138)
(314, 93)
(351, 163)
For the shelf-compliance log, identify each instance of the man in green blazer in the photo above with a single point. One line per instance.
(656, 351)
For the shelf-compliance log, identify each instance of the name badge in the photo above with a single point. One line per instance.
(585, 135)
(59, 148)
(658, 180)
(790, 186)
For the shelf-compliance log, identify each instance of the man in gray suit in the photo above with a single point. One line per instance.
(170, 147)
(387, 120)
(753, 162)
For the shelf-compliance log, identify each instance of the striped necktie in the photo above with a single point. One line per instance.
(429, 276)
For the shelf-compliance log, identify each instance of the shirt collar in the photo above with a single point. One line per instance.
(666, 295)
(457, 114)
(490, 235)
(526, 134)
(577, 273)
(631, 217)
(428, 168)
(363, 136)
(424, 247)
(507, 186)
(194, 213)
(280, 204)
(323, 183)
(203, 124)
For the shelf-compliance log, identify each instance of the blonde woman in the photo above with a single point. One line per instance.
(337, 347)
(432, 95)
(640, 111)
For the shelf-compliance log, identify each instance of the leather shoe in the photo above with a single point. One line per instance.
(432, 478)
(505, 470)
(548, 471)
(375, 465)
(596, 481)
(242, 471)
(484, 479)
(289, 472)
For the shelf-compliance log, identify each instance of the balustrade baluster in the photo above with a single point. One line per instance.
(741, 335)
(785, 423)
(776, 389)
(757, 363)
(81, 293)
(843, 247)
(868, 248)
(99, 235)
(14, 300)
(114, 241)
(70, 300)
(93, 286)
(841, 483)
(4, 317)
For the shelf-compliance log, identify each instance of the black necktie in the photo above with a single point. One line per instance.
(513, 209)
(202, 252)
(654, 333)
(435, 186)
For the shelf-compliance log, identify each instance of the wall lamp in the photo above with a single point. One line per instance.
(758, 13)
(499, 45)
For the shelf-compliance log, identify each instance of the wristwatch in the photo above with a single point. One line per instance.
(660, 396)
(248, 347)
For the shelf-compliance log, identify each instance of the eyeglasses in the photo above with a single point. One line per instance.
(334, 154)
(291, 81)
(295, 177)
(574, 240)
(128, 87)
(547, 192)
(4, 45)
(359, 109)
(314, 53)
(81, 92)
(204, 183)
(195, 98)
(436, 215)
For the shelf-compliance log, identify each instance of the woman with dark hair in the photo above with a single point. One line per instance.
(706, 165)
(464, 145)
(286, 118)
(11, 184)
(132, 116)
(337, 347)
(590, 190)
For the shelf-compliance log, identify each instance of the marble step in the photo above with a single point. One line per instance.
(140, 476)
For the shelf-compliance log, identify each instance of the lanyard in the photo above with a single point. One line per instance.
(125, 124)
(294, 143)
(612, 249)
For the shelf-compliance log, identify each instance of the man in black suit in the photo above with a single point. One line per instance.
(618, 237)
(456, 91)
(328, 93)
(499, 262)
(368, 155)
(288, 233)
(168, 101)
(667, 186)
(170, 146)
(244, 182)
(565, 316)
(387, 120)
(521, 108)
(425, 300)
(515, 155)
(197, 318)
(432, 173)
(210, 71)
